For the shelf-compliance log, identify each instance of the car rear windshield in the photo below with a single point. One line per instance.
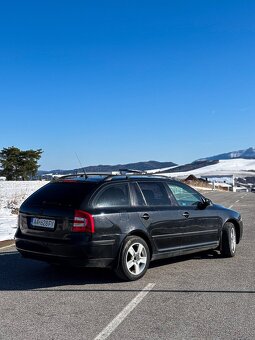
(66, 194)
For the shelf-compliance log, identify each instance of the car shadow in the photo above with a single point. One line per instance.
(18, 273)
(204, 255)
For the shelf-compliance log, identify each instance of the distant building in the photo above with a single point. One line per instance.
(228, 179)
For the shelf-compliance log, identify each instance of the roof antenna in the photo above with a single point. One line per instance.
(85, 174)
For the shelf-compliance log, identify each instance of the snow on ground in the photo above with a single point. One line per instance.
(161, 169)
(238, 167)
(12, 194)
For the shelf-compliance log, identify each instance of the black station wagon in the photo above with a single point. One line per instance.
(122, 222)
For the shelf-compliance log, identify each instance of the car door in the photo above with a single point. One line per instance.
(158, 212)
(111, 206)
(200, 224)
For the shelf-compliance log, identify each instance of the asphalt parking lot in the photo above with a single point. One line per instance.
(202, 296)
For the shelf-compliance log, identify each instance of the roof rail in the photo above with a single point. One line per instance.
(109, 175)
(82, 174)
(132, 171)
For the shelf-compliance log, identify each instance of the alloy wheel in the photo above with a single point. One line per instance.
(136, 258)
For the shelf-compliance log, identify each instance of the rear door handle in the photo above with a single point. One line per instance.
(146, 216)
(185, 214)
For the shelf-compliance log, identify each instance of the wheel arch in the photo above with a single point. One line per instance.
(145, 237)
(117, 263)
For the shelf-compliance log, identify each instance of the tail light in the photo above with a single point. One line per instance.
(83, 222)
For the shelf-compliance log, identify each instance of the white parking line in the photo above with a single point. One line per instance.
(124, 313)
(235, 202)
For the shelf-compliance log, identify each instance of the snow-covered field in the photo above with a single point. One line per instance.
(12, 194)
(237, 167)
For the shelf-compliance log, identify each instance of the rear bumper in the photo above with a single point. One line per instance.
(83, 254)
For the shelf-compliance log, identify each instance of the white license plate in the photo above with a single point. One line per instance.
(43, 223)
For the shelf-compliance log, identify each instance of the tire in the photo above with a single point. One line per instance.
(228, 242)
(134, 259)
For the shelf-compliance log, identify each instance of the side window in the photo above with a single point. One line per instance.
(184, 195)
(154, 193)
(112, 196)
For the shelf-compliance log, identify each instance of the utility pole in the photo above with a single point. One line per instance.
(233, 183)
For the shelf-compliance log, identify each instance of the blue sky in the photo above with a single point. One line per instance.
(125, 81)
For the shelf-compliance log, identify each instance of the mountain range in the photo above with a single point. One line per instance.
(161, 166)
(149, 165)
(245, 154)
(212, 160)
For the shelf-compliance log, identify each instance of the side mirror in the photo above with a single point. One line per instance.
(206, 202)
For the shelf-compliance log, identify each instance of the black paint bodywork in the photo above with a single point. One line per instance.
(169, 230)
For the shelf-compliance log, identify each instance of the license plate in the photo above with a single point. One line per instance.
(42, 223)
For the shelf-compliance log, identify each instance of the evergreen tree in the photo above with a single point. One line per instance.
(18, 164)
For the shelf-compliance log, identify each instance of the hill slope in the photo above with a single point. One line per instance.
(150, 165)
(245, 154)
(238, 167)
